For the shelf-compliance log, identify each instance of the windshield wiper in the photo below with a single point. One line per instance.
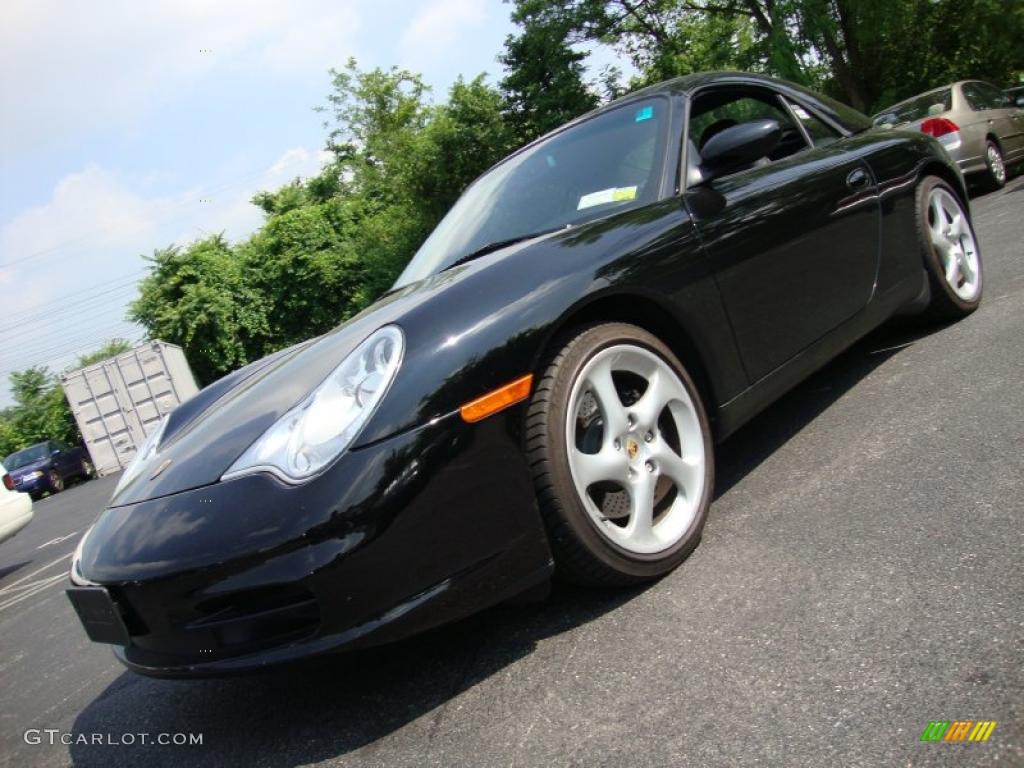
(497, 245)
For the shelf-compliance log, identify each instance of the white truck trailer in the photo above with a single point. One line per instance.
(118, 401)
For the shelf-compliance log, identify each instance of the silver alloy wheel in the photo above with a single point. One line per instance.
(996, 164)
(638, 464)
(87, 468)
(953, 240)
(56, 481)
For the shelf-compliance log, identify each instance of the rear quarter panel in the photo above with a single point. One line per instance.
(899, 160)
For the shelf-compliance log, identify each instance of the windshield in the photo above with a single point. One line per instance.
(25, 457)
(918, 108)
(605, 164)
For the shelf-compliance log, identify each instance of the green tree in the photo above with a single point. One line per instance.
(544, 84)
(865, 52)
(110, 349)
(331, 244)
(39, 413)
(198, 298)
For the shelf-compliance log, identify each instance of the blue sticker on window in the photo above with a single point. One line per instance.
(645, 113)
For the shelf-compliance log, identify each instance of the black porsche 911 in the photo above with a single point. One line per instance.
(541, 391)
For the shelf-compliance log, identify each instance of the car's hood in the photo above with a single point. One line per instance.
(41, 465)
(205, 435)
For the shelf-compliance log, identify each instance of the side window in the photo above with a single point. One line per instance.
(715, 110)
(984, 96)
(995, 98)
(974, 99)
(821, 134)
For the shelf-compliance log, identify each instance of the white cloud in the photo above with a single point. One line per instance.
(69, 68)
(92, 231)
(435, 28)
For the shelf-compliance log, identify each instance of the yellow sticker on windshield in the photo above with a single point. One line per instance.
(610, 195)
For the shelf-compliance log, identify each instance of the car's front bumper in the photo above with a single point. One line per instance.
(396, 537)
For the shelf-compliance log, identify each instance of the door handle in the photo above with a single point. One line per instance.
(857, 179)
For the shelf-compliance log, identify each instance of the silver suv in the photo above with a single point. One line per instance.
(980, 126)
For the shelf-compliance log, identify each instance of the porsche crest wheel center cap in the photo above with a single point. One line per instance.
(632, 448)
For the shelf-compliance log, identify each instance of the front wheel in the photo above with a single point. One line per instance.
(621, 452)
(56, 481)
(949, 249)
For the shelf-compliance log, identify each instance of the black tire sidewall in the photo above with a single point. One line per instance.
(584, 347)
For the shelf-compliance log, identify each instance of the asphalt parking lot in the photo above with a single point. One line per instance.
(861, 574)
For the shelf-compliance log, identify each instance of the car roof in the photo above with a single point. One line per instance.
(844, 116)
(922, 94)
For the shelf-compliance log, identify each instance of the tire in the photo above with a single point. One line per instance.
(996, 172)
(944, 239)
(86, 469)
(604, 535)
(56, 481)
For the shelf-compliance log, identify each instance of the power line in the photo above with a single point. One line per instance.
(73, 317)
(77, 347)
(88, 304)
(64, 297)
(81, 335)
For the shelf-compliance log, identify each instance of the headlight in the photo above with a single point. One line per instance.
(311, 435)
(33, 475)
(148, 448)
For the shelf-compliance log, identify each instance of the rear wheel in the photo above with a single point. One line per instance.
(621, 452)
(995, 164)
(950, 251)
(87, 469)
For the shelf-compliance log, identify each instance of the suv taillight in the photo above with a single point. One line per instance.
(8, 482)
(939, 126)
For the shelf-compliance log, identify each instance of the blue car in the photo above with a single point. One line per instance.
(44, 467)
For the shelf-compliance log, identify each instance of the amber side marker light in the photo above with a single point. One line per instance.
(497, 400)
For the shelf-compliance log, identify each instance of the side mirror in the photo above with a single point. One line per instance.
(738, 146)
(55, 452)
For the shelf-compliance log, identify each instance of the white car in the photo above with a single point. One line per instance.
(15, 507)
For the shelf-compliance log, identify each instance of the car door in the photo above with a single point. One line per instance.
(996, 114)
(793, 241)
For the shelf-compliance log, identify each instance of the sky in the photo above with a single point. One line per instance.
(126, 127)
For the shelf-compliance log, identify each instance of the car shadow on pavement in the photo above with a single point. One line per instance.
(9, 569)
(329, 707)
(743, 451)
